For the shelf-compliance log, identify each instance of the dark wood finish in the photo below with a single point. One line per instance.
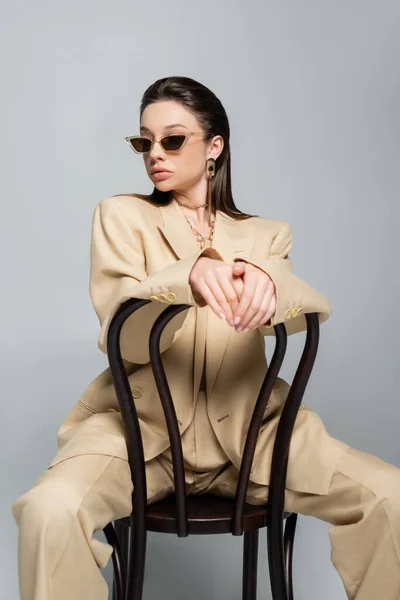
(118, 558)
(208, 514)
(250, 564)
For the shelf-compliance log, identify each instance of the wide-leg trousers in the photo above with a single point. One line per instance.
(59, 559)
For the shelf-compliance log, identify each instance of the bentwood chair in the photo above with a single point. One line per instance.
(185, 515)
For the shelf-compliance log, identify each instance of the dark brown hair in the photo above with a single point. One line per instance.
(213, 119)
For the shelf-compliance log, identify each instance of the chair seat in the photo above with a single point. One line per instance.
(207, 514)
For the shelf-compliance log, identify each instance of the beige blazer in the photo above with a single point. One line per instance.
(144, 251)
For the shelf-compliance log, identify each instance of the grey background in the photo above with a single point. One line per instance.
(311, 90)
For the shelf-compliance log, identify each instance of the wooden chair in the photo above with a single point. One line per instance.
(183, 514)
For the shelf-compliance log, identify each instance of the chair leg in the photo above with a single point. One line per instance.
(250, 564)
(116, 537)
(123, 536)
(288, 541)
(137, 562)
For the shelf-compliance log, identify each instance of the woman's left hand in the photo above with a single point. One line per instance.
(258, 299)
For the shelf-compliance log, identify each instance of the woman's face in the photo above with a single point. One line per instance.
(187, 165)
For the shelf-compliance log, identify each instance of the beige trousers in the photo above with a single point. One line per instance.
(59, 559)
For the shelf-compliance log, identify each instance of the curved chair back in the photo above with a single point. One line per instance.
(281, 444)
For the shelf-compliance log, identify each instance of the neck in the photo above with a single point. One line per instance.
(198, 216)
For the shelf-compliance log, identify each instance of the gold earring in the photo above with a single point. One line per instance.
(210, 175)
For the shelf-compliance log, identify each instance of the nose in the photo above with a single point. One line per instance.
(157, 150)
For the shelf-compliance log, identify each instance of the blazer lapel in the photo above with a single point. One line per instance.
(230, 244)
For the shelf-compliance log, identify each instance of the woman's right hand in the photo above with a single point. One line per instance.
(215, 282)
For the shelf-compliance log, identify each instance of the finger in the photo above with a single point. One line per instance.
(250, 282)
(271, 311)
(232, 287)
(206, 291)
(231, 297)
(237, 280)
(253, 314)
(223, 291)
(266, 293)
(238, 284)
(239, 267)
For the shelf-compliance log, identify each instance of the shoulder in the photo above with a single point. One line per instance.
(137, 202)
(136, 208)
(262, 226)
(275, 225)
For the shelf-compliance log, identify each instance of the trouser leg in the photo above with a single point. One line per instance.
(363, 508)
(58, 559)
(365, 530)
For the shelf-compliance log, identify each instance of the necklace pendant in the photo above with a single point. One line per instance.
(199, 237)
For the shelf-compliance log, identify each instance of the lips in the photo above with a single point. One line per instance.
(160, 171)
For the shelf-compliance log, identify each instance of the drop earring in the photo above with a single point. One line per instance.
(210, 175)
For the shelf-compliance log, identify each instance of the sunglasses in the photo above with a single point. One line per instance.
(169, 143)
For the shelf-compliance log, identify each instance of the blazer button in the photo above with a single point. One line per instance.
(295, 312)
(136, 392)
(299, 310)
(288, 314)
(171, 296)
(154, 298)
(162, 297)
(111, 410)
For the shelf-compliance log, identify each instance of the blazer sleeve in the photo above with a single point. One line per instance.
(118, 272)
(294, 297)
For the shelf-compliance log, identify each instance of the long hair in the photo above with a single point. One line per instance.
(211, 115)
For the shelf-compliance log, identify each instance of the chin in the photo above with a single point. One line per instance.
(162, 186)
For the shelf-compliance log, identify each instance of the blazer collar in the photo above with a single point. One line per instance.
(230, 243)
(228, 238)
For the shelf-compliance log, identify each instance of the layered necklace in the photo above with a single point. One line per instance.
(200, 238)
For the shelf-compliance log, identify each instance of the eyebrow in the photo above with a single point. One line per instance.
(142, 128)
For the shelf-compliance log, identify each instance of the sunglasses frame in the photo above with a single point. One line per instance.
(187, 137)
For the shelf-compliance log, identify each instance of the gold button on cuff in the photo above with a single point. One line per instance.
(171, 296)
(295, 312)
(288, 314)
(136, 392)
(111, 410)
(154, 298)
(162, 297)
(299, 310)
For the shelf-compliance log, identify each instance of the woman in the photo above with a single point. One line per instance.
(188, 243)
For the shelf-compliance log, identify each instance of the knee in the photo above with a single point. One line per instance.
(43, 504)
(390, 504)
(387, 486)
(386, 498)
(46, 518)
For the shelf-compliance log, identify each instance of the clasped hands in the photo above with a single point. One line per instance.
(241, 293)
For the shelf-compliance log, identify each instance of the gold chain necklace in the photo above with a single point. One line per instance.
(200, 238)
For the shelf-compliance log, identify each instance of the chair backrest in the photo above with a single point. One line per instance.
(132, 431)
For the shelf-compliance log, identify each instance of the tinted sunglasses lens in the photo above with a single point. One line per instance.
(173, 142)
(140, 144)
